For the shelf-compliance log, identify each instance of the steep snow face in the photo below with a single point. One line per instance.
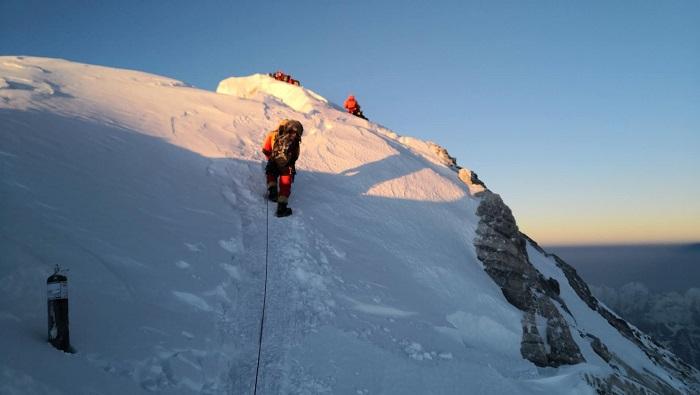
(152, 193)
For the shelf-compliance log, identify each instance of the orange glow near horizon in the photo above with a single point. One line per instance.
(575, 229)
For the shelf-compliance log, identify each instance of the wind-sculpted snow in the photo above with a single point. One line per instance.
(152, 193)
(411, 187)
(300, 99)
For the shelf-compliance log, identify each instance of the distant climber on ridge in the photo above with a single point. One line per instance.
(281, 76)
(281, 148)
(353, 107)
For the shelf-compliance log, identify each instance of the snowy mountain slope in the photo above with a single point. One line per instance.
(151, 192)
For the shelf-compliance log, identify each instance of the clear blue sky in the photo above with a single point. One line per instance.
(584, 115)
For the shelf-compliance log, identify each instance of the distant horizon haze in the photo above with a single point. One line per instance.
(683, 244)
(660, 267)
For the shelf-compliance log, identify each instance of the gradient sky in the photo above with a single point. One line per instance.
(584, 116)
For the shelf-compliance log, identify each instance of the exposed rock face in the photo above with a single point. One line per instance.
(502, 249)
(445, 156)
(468, 177)
(600, 348)
(476, 186)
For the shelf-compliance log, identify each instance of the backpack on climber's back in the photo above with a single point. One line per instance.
(286, 147)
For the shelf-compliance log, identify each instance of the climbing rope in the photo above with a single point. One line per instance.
(262, 318)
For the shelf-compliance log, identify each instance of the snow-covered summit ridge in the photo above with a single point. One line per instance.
(151, 192)
(298, 98)
(116, 97)
(262, 88)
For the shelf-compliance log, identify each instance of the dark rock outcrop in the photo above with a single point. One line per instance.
(445, 157)
(502, 249)
(470, 178)
(600, 348)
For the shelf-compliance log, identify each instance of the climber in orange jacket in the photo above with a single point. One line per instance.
(281, 148)
(353, 107)
(279, 75)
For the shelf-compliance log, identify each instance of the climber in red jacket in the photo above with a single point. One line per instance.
(279, 75)
(281, 148)
(353, 107)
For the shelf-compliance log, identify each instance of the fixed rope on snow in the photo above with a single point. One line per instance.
(262, 318)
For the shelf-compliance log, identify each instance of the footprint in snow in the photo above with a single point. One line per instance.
(231, 245)
(194, 247)
(193, 300)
